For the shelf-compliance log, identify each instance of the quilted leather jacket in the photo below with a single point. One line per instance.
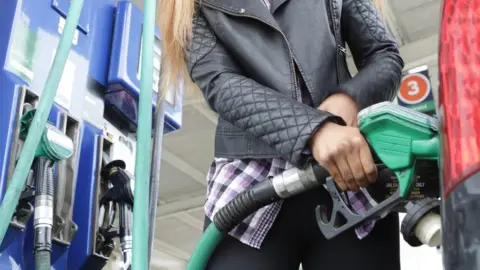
(253, 65)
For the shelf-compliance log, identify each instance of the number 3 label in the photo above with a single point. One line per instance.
(414, 89)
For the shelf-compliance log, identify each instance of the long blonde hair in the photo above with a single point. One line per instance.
(175, 21)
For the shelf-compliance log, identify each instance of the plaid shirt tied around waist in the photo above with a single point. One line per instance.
(228, 177)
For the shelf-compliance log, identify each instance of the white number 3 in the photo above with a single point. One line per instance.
(414, 88)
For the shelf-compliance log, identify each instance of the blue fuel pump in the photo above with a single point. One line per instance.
(29, 34)
(86, 109)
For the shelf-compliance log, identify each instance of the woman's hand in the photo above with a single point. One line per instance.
(345, 154)
(341, 105)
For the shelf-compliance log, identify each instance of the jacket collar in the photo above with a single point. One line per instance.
(274, 4)
(254, 8)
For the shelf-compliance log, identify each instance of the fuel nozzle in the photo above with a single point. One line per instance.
(54, 146)
(121, 192)
(122, 182)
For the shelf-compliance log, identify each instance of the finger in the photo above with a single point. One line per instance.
(337, 177)
(367, 162)
(346, 172)
(356, 166)
(327, 163)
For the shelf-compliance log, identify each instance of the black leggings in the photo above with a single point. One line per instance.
(295, 239)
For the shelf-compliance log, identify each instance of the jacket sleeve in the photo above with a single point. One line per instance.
(283, 123)
(374, 51)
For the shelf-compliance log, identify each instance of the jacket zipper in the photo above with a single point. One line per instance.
(292, 61)
(340, 48)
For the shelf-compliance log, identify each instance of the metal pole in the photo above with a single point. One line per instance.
(159, 119)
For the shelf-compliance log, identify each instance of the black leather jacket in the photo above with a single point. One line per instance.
(251, 65)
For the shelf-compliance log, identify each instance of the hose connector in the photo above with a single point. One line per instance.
(294, 181)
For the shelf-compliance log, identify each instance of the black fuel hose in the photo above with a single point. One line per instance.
(245, 204)
(287, 184)
(268, 192)
(43, 213)
(158, 131)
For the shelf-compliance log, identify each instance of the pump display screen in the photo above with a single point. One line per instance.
(123, 80)
(157, 65)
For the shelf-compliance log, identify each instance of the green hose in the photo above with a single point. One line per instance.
(205, 247)
(144, 135)
(17, 182)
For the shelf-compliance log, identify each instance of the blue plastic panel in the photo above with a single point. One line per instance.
(85, 205)
(11, 249)
(62, 6)
(124, 74)
(32, 40)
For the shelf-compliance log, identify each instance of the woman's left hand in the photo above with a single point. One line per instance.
(341, 105)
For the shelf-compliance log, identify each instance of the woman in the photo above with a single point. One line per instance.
(275, 72)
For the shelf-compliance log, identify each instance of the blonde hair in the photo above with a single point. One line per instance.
(380, 4)
(175, 21)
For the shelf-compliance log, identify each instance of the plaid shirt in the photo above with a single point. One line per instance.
(229, 177)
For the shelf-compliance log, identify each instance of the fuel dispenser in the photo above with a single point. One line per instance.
(114, 141)
(94, 113)
(29, 33)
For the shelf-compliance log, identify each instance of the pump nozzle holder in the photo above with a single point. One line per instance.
(54, 144)
(122, 181)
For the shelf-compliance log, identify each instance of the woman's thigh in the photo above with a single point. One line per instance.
(231, 254)
(278, 250)
(380, 250)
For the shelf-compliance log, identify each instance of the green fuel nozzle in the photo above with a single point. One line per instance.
(54, 144)
(400, 137)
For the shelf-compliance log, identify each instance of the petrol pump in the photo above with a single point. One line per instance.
(82, 195)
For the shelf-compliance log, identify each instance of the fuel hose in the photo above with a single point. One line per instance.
(159, 119)
(144, 136)
(285, 185)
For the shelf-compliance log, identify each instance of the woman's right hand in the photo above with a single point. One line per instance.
(345, 153)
